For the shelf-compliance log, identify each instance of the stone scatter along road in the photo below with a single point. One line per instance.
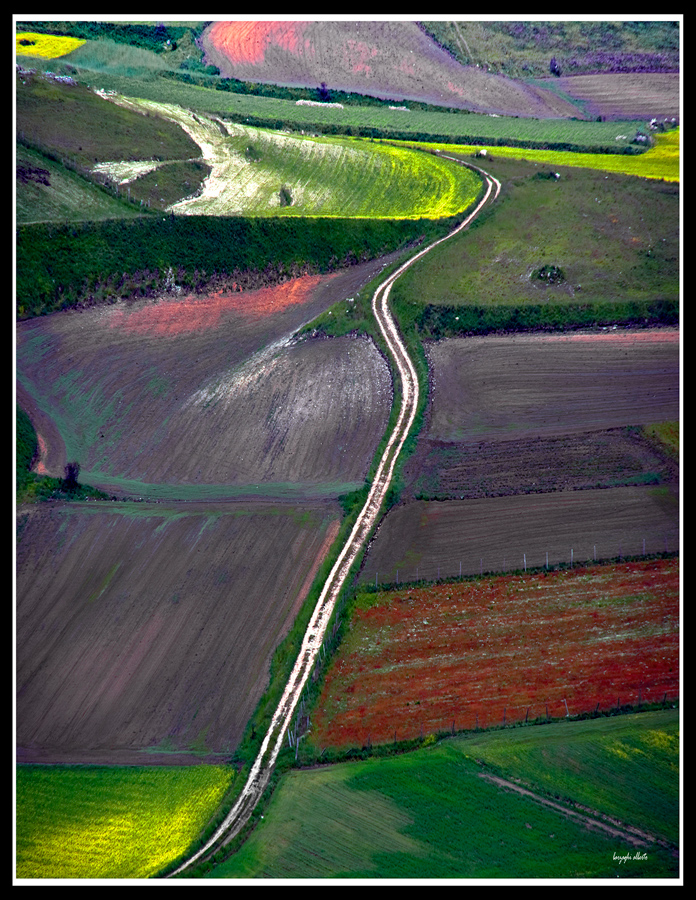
(262, 768)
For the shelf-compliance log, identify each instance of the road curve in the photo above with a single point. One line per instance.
(262, 768)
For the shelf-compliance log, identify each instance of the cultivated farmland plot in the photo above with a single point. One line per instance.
(145, 631)
(239, 419)
(522, 406)
(217, 394)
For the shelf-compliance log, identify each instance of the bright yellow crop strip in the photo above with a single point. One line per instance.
(661, 161)
(47, 46)
(111, 823)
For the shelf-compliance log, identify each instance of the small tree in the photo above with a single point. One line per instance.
(324, 94)
(72, 470)
(554, 68)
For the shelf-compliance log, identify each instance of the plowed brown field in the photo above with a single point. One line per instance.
(419, 660)
(207, 390)
(634, 95)
(523, 386)
(393, 60)
(145, 631)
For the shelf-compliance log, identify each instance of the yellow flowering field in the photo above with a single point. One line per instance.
(660, 161)
(48, 46)
(111, 822)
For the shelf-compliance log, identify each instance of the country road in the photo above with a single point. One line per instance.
(265, 761)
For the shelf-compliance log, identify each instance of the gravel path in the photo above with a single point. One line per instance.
(263, 766)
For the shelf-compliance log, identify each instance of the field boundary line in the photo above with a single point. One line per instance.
(262, 768)
(615, 829)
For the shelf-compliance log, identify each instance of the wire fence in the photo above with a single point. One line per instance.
(431, 567)
(499, 714)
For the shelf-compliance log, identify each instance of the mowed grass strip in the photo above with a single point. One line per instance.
(111, 822)
(429, 814)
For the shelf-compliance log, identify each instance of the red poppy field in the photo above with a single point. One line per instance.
(480, 653)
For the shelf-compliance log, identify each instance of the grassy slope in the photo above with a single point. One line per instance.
(73, 121)
(428, 815)
(524, 49)
(68, 196)
(616, 239)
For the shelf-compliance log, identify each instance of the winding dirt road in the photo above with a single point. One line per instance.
(265, 761)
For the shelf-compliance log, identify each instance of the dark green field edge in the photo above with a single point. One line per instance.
(62, 266)
(434, 322)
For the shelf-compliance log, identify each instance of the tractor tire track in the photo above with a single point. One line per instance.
(264, 763)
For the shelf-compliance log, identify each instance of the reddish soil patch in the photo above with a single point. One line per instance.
(155, 390)
(172, 316)
(392, 60)
(507, 647)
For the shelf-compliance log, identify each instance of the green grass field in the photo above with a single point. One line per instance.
(109, 71)
(67, 196)
(429, 814)
(103, 822)
(615, 240)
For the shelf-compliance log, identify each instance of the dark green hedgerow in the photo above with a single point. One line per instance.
(449, 321)
(61, 266)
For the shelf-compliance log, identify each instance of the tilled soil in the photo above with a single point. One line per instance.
(594, 459)
(145, 631)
